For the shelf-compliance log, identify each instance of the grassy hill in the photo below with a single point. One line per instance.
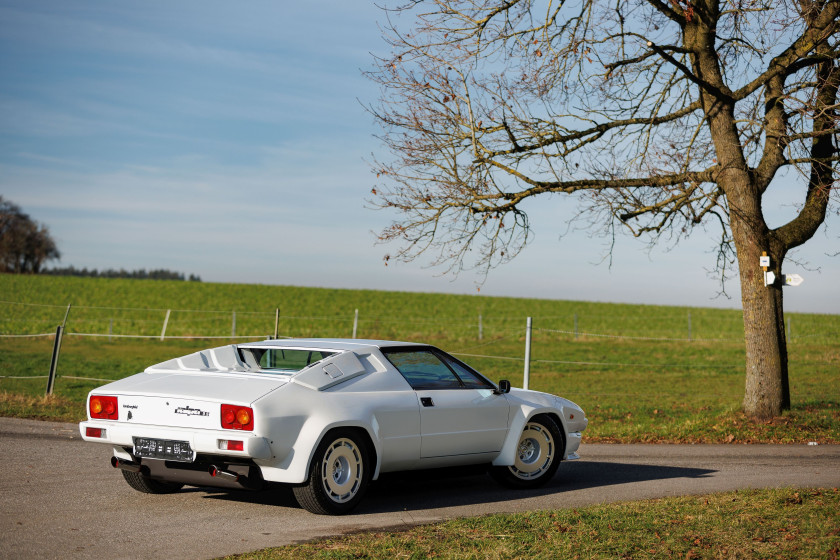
(642, 373)
(139, 307)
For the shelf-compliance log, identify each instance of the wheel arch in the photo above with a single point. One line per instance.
(508, 453)
(363, 432)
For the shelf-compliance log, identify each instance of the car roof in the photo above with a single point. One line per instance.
(355, 344)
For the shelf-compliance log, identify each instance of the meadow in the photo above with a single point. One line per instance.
(642, 373)
(775, 523)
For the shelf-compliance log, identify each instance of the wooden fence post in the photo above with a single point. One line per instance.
(689, 326)
(527, 374)
(165, 322)
(54, 361)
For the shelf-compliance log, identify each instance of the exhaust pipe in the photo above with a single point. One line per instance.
(225, 475)
(129, 466)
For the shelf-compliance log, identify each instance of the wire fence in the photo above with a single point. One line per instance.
(506, 334)
(22, 319)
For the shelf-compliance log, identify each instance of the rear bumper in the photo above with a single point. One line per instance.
(201, 441)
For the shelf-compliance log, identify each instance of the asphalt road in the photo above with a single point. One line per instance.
(60, 498)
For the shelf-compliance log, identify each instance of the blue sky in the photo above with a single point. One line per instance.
(229, 140)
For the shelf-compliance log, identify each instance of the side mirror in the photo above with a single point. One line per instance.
(504, 387)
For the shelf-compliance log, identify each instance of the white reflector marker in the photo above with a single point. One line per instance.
(231, 445)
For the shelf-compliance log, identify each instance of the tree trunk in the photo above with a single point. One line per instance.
(766, 393)
(777, 289)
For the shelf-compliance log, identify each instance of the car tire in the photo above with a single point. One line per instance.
(539, 452)
(147, 485)
(338, 476)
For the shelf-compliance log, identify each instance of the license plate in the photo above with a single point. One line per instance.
(170, 450)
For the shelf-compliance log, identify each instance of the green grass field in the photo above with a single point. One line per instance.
(751, 524)
(642, 373)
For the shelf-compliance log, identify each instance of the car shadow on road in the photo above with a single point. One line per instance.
(453, 487)
(279, 496)
(407, 491)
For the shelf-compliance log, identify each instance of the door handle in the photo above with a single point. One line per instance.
(427, 401)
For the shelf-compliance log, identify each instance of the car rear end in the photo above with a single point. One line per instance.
(182, 427)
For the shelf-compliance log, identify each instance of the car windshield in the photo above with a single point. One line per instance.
(281, 360)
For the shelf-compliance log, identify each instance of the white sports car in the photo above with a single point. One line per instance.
(326, 417)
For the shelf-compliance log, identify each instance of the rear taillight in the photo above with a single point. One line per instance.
(95, 432)
(237, 417)
(104, 407)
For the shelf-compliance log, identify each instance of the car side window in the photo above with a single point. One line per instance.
(470, 379)
(424, 370)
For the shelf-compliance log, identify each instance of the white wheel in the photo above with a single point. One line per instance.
(535, 453)
(342, 470)
(538, 454)
(338, 475)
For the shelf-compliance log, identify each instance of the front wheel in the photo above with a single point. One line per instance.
(538, 454)
(338, 476)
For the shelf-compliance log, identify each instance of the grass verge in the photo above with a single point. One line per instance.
(776, 523)
(53, 407)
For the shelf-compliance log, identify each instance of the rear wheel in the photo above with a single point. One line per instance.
(143, 483)
(338, 476)
(538, 454)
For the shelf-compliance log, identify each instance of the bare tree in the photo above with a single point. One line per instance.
(25, 245)
(657, 115)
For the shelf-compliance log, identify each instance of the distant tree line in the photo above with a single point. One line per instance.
(25, 245)
(142, 274)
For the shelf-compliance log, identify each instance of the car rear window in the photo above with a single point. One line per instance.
(282, 360)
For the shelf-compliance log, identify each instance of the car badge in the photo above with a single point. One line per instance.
(190, 411)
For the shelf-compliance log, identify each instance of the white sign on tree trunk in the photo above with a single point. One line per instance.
(793, 279)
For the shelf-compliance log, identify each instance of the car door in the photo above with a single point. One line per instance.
(460, 413)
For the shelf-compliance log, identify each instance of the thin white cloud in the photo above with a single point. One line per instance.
(78, 34)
